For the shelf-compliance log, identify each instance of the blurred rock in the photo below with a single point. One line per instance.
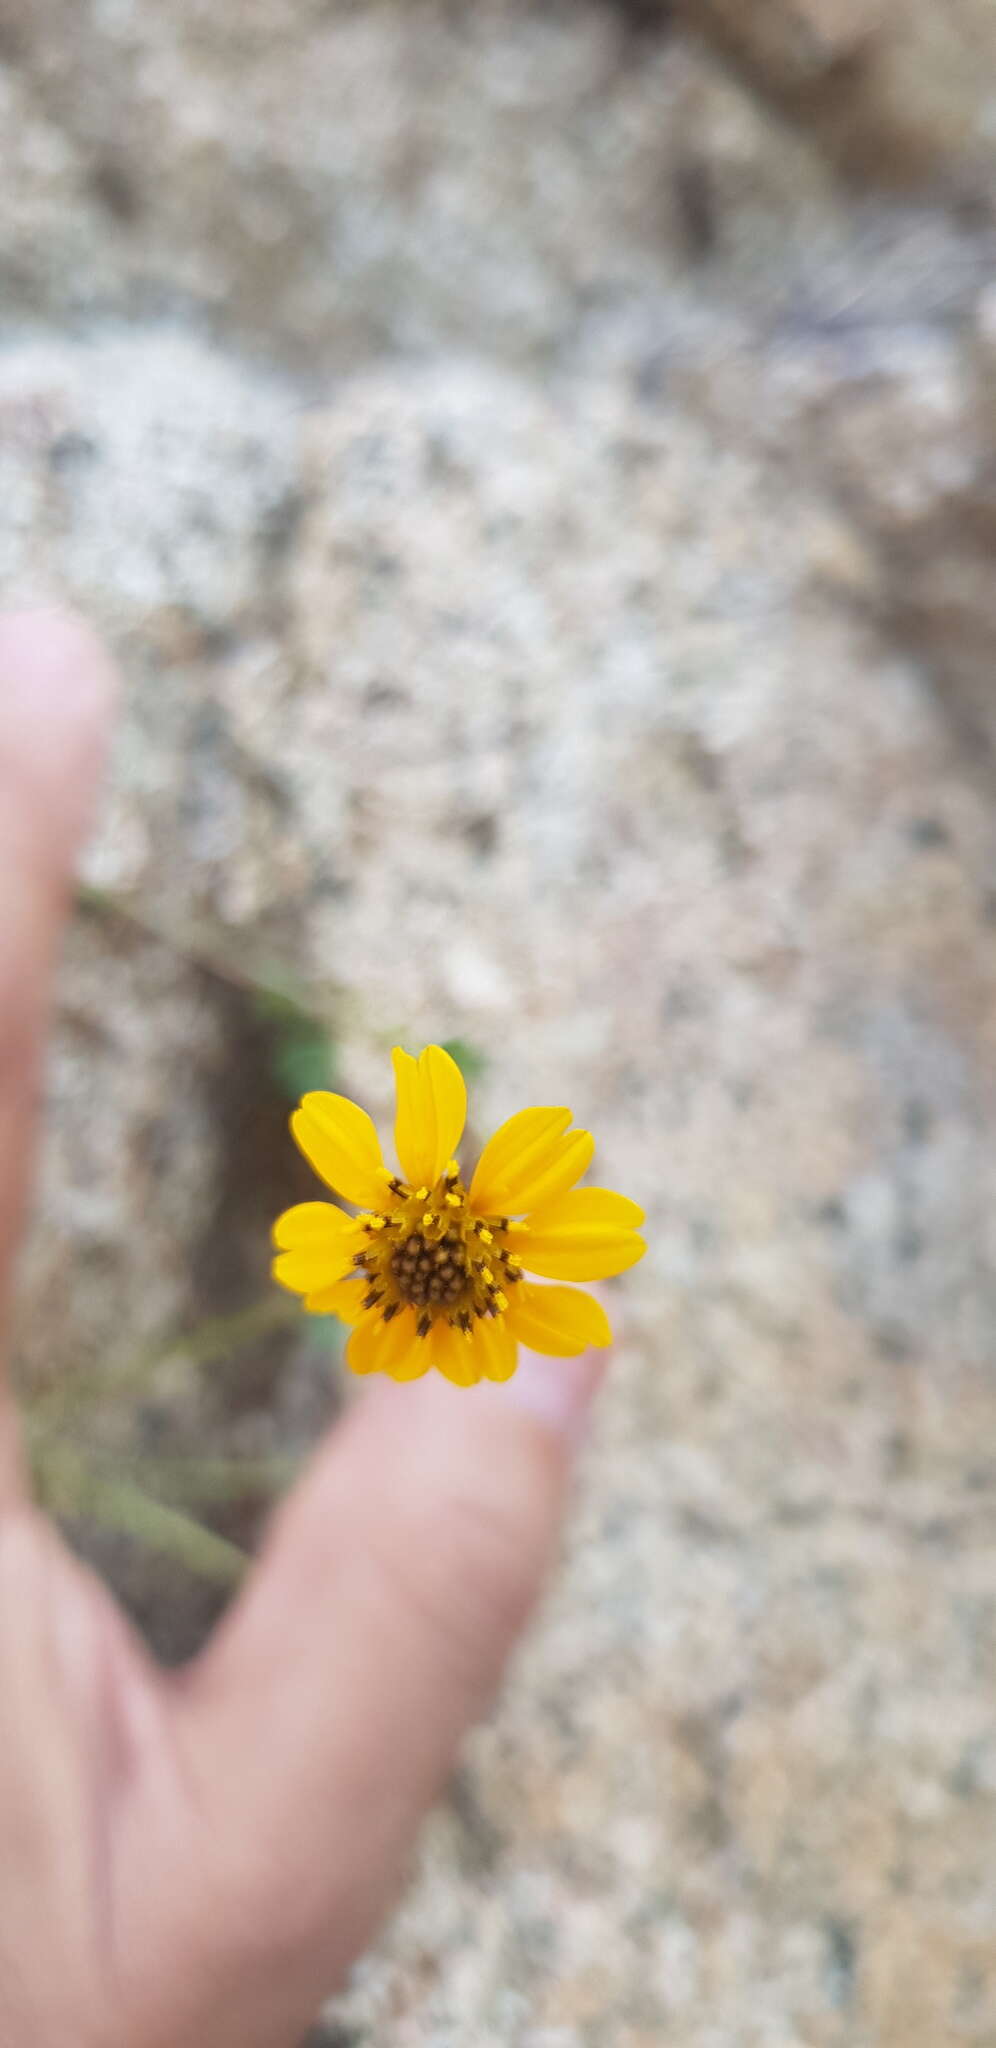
(279, 167)
(793, 44)
(894, 89)
(131, 1157)
(330, 179)
(906, 437)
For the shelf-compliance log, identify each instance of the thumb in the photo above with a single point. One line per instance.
(55, 692)
(56, 687)
(324, 1716)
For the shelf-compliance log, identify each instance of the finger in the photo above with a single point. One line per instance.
(55, 692)
(325, 1716)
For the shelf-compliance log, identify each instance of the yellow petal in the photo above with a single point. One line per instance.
(414, 1362)
(310, 1223)
(454, 1355)
(586, 1235)
(339, 1140)
(528, 1132)
(314, 1266)
(531, 1159)
(376, 1346)
(560, 1321)
(496, 1348)
(432, 1111)
(344, 1299)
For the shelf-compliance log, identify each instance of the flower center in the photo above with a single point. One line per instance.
(427, 1252)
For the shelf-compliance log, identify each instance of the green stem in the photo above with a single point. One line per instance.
(68, 1486)
(207, 1481)
(214, 1339)
(224, 965)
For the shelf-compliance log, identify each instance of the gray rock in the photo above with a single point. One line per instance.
(899, 90)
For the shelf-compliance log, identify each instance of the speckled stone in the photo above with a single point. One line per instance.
(899, 90)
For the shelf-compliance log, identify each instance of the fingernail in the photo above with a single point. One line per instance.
(558, 1392)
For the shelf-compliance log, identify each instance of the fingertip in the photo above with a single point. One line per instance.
(557, 1393)
(53, 664)
(57, 687)
(560, 1392)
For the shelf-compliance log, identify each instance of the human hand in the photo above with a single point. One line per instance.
(197, 1857)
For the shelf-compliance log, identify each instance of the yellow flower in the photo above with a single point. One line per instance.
(432, 1272)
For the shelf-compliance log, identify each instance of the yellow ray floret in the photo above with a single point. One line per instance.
(432, 1111)
(589, 1234)
(431, 1274)
(531, 1159)
(339, 1140)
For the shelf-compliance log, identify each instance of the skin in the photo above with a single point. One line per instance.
(200, 1856)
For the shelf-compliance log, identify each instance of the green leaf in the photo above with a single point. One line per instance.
(326, 1333)
(303, 1059)
(303, 1051)
(471, 1061)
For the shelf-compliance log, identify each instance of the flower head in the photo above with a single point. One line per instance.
(432, 1271)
